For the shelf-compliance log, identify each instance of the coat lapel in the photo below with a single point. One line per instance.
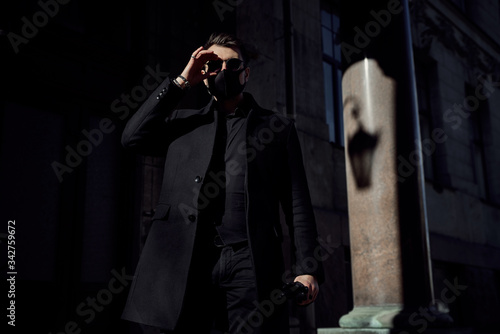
(207, 139)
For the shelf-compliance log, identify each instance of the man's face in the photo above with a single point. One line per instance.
(225, 53)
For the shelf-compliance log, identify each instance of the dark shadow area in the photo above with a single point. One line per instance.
(70, 65)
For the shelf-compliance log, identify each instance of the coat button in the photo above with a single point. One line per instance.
(197, 179)
(192, 218)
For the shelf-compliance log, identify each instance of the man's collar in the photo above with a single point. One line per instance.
(240, 111)
(243, 108)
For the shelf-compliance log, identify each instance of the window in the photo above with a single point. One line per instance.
(332, 73)
(478, 149)
(467, 7)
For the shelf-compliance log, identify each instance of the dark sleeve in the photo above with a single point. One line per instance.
(299, 213)
(147, 130)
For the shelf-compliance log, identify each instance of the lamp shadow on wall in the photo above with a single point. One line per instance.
(361, 144)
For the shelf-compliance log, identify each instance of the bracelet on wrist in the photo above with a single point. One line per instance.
(177, 83)
(186, 82)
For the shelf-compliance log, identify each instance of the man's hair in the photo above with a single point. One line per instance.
(228, 41)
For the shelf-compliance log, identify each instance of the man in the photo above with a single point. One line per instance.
(213, 254)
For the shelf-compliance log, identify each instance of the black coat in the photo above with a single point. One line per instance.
(275, 174)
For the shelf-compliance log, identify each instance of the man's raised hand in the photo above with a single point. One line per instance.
(194, 72)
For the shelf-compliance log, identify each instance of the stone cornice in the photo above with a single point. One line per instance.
(440, 22)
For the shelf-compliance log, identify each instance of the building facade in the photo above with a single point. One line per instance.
(456, 47)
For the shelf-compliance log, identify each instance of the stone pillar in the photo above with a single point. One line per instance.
(376, 257)
(388, 229)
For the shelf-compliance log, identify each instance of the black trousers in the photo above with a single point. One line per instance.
(221, 296)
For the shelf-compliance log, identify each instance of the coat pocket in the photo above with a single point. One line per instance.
(161, 212)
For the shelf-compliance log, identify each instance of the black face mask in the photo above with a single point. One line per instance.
(226, 84)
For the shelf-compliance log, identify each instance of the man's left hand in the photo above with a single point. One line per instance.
(312, 287)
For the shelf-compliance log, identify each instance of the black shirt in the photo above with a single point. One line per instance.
(232, 227)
